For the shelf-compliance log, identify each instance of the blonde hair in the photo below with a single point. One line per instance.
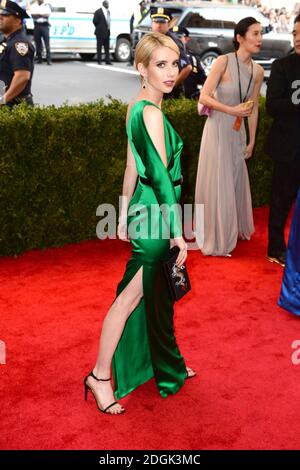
(149, 43)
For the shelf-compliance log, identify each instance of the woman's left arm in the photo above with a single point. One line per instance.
(253, 118)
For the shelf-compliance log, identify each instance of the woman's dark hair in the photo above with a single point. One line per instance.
(297, 19)
(242, 28)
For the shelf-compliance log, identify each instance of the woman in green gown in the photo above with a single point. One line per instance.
(137, 339)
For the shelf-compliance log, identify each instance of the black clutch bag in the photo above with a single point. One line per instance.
(177, 277)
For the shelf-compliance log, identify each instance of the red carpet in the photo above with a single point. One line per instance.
(229, 328)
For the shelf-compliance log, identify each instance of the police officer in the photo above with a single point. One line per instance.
(193, 83)
(162, 23)
(16, 56)
(136, 17)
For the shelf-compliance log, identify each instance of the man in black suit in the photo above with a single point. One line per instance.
(283, 144)
(102, 24)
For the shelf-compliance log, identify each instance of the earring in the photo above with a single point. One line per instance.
(144, 82)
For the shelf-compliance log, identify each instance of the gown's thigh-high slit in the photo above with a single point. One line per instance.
(148, 346)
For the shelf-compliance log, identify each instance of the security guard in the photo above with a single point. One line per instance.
(193, 83)
(16, 56)
(162, 23)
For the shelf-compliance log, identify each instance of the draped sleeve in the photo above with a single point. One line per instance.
(156, 172)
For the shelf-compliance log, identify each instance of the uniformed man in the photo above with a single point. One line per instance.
(193, 83)
(162, 23)
(136, 17)
(16, 56)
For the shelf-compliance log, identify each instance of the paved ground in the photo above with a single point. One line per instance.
(73, 81)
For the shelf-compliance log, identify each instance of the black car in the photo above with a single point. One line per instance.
(211, 27)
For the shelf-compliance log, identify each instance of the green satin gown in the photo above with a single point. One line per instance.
(148, 346)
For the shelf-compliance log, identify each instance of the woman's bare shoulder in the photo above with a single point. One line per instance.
(259, 71)
(219, 64)
(152, 113)
(130, 106)
(221, 60)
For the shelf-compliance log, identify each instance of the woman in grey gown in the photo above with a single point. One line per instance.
(232, 92)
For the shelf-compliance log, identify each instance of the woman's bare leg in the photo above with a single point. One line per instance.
(112, 330)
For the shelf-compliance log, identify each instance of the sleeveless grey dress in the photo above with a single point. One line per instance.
(222, 183)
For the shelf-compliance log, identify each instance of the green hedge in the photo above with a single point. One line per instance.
(58, 164)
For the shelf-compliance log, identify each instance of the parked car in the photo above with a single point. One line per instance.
(211, 27)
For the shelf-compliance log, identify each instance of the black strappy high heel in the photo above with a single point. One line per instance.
(87, 388)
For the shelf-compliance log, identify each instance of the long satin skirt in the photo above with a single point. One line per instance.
(148, 346)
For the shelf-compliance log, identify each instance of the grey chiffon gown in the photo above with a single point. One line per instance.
(222, 183)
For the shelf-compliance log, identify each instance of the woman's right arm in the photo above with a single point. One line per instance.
(210, 85)
(129, 183)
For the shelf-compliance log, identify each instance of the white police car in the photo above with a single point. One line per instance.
(72, 29)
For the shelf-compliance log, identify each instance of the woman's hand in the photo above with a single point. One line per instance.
(122, 231)
(182, 255)
(241, 110)
(248, 151)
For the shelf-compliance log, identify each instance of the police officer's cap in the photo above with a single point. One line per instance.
(161, 15)
(7, 7)
(180, 31)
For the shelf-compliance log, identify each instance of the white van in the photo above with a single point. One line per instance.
(72, 29)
